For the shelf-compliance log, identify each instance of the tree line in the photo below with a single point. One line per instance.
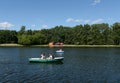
(95, 34)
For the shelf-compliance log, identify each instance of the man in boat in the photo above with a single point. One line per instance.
(42, 56)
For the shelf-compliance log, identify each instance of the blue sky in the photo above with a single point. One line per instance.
(39, 14)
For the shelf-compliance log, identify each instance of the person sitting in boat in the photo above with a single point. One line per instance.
(43, 56)
(60, 50)
(51, 56)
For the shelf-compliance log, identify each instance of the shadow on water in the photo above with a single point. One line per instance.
(56, 63)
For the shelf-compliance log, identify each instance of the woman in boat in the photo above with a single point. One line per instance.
(60, 49)
(51, 56)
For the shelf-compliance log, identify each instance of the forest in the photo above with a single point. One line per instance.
(94, 34)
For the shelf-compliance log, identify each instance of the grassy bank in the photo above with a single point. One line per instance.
(80, 46)
(10, 45)
(18, 45)
(91, 45)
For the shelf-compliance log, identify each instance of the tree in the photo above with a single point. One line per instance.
(22, 30)
(116, 33)
(95, 35)
(13, 35)
(106, 34)
(25, 39)
(38, 38)
(86, 33)
(69, 36)
(7, 36)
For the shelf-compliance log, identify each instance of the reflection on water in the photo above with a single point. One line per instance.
(59, 54)
(80, 65)
(53, 63)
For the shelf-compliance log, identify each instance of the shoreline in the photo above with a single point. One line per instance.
(87, 46)
(18, 45)
(10, 45)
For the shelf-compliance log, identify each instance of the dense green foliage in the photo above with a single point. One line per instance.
(7, 36)
(95, 34)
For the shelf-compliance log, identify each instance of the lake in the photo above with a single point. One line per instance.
(80, 65)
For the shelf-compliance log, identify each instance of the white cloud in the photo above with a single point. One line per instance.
(86, 21)
(77, 20)
(73, 20)
(97, 21)
(45, 26)
(5, 25)
(96, 2)
(33, 25)
(70, 20)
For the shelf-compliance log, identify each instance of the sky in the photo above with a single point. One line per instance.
(45, 14)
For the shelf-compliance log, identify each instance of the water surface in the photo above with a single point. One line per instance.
(80, 65)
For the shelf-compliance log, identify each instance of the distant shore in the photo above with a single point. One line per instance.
(11, 45)
(18, 45)
(91, 45)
